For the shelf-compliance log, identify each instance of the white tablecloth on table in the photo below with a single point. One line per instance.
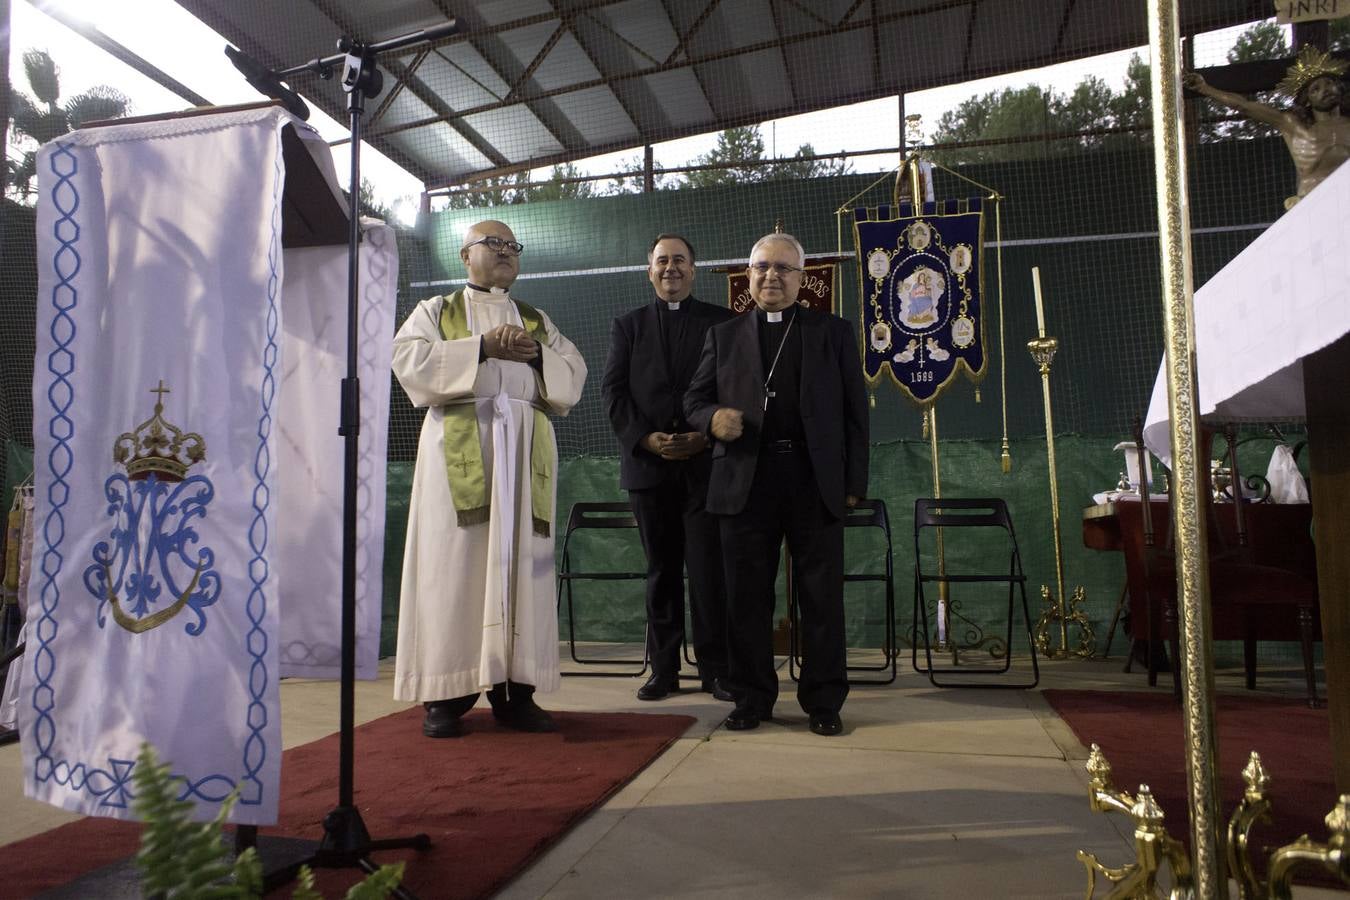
(1284, 297)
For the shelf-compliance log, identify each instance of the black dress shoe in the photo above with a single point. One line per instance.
(659, 686)
(525, 715)
(826, 723)
(718, 688)
(744, 718)
(440, 722)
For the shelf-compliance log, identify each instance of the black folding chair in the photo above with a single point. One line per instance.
(592, 515)
(867, 514)
(953, 516)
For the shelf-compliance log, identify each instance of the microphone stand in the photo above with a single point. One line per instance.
(346, 842)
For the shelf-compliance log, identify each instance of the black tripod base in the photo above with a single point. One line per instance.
(347, 844)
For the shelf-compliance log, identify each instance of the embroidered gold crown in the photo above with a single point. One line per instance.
(157, 447)
(1310, 65)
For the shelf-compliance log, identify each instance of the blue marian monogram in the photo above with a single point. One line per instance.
(149, 570)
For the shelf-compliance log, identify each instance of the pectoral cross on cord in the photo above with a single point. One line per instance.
(773, 367)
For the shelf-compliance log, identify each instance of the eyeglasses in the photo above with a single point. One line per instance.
(497, 245)
(782, 270)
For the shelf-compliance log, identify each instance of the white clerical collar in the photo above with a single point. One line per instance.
(477, 293)
(673, 307)
(773, 316)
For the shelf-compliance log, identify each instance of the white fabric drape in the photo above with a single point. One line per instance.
(311, 451)
(164, 291)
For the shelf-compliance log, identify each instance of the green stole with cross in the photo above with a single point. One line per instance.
(460, 439)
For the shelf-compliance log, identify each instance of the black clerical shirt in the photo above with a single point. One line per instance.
(782, 417)
(671, 324)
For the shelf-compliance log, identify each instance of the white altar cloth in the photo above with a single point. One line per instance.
(1285, 296)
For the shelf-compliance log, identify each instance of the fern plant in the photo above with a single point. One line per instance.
(181, 859)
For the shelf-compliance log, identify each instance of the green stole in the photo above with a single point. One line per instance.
(460, 439)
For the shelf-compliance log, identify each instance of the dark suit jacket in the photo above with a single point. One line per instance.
(644, 391)
(833, 407)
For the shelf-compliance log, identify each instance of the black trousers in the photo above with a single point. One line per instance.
(785, 502)
(677, 532)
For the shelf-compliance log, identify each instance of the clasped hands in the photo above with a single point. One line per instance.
(511, 343)
(675, 446)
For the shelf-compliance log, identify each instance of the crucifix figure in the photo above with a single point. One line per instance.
(1315, 129)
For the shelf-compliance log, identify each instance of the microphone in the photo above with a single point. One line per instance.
(267, 82)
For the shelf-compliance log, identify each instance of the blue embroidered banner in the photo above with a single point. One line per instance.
(921, 283)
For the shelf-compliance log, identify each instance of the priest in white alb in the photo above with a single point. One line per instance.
(477, 609)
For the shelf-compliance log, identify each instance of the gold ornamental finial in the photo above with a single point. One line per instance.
(156, 447)
(1310, 65)
(1255, 777)
(777, 226)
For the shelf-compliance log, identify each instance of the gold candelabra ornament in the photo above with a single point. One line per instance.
(1057, 611)
(1155, 849)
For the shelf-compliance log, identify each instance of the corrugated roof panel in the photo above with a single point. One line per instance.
(598, 115)
(804, 18)
(439, 148)
(1090, 21)
(732, 24)
(516, 132)
(991, 47)
(742, 84)
(826, 67)
(646, 31)
(680, 98)
(566, 64)
(390, 19)
(464, 78)
(912, 55)
(525, 43)
(495, 12)
(405, 108)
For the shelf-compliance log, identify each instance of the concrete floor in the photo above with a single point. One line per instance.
(927, 793)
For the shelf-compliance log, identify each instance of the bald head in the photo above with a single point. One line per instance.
(489, 266)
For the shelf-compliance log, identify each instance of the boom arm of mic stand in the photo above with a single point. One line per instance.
(324, 66)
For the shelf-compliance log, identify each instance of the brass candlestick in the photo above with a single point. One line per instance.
(1042, 350)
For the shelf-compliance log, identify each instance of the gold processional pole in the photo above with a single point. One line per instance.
(1042, 350)
(1188, 520)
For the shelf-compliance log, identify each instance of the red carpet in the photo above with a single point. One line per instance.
(1141, 735)
(490, 801)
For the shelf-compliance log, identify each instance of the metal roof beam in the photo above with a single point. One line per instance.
(683, 44)
(777, 14)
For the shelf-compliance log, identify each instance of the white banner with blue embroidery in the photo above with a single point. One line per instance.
(921, 279)
(158, 411)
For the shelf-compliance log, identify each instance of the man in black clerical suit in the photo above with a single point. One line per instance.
(780, 389)
(664, 467)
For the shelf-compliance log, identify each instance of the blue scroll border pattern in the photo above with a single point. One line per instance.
(112, 784)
